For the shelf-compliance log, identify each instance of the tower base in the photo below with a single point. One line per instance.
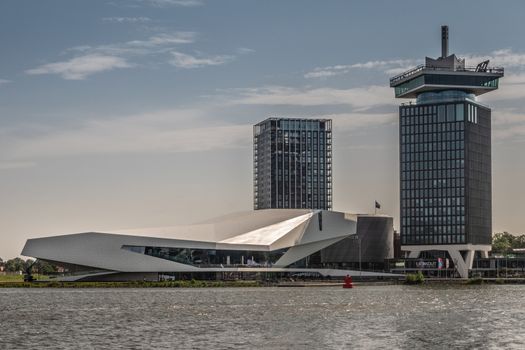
(462, 254)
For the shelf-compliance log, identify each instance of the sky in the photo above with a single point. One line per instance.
(138, 113)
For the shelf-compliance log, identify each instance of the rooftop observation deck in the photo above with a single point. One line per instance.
(447, 72)
(398, 79)
(476, 80)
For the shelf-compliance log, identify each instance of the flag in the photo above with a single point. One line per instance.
(378, 206)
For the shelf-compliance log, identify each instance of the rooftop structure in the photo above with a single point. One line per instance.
(445, 73)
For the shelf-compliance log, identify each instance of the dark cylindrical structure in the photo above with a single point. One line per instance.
(375, 240)
(444, 41)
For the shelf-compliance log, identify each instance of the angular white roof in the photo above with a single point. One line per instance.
(301, 232)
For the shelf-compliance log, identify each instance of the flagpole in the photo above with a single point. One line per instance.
(376, 206)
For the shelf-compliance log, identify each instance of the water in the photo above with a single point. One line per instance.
(368, 317)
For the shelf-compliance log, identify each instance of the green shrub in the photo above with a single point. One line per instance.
(415, 278)
(475, 280)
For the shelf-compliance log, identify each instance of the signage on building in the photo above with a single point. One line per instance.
(426, 264)
(440, 263)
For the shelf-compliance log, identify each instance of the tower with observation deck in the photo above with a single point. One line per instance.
(445, 158)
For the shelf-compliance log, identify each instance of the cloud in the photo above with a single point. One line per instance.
(508, 124)
(167, 3)
(360, 98)
(514, 133)
(354, 121)
(126, 19)
(245, 51)
(159, 132)
(79, 68)
(7, 165)
(327, 72)
(94, 59)
(503, 117)
(164, 39)
(158, 43)
(388, 66)
(514, 79)
(4, 81)
(182, 60)
(167, 131)
(506, 58)
(511, 87)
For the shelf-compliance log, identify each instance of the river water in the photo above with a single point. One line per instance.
(366, 317)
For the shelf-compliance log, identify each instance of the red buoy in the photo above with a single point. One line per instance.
(348, 282)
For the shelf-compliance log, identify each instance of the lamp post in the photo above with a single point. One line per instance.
(506, 265)
(359, 242)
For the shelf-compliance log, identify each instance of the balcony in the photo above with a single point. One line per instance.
(398, 79)
(422, 79)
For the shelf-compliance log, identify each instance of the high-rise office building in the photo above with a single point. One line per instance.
(445, 158)
(292, 162)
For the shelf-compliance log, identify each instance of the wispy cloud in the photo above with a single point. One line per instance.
(245, 51)
(160, 132)
(506, 58)
(511, 87)
(79, 68)
(155, 44)
(355, 121)
(167, 131)
(508, 126)
(360, 98)
(165, 39)
(513, 79)
(7, 165)
(508, 116)
(167, 3)
(516, 133)
(387, 66)
(89, 60)
(126, 19)
(166, 46)
(4, 81)
(182, 60)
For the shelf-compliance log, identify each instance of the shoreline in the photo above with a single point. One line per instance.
(133, 284)
(245, 284)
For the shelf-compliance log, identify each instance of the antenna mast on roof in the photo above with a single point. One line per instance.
(444, 41)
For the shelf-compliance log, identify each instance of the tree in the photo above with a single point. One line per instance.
(15, 265)
(44, 267)
(505, 242)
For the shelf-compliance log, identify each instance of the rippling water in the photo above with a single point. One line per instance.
(370, 317)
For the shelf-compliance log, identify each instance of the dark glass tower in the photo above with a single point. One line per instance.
(292, 163)
(445, 156)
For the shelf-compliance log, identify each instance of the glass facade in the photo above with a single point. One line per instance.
(445, 172)
(466, 81)
(293, 163)
(443, 96)
(213, 258)
(210, 257)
